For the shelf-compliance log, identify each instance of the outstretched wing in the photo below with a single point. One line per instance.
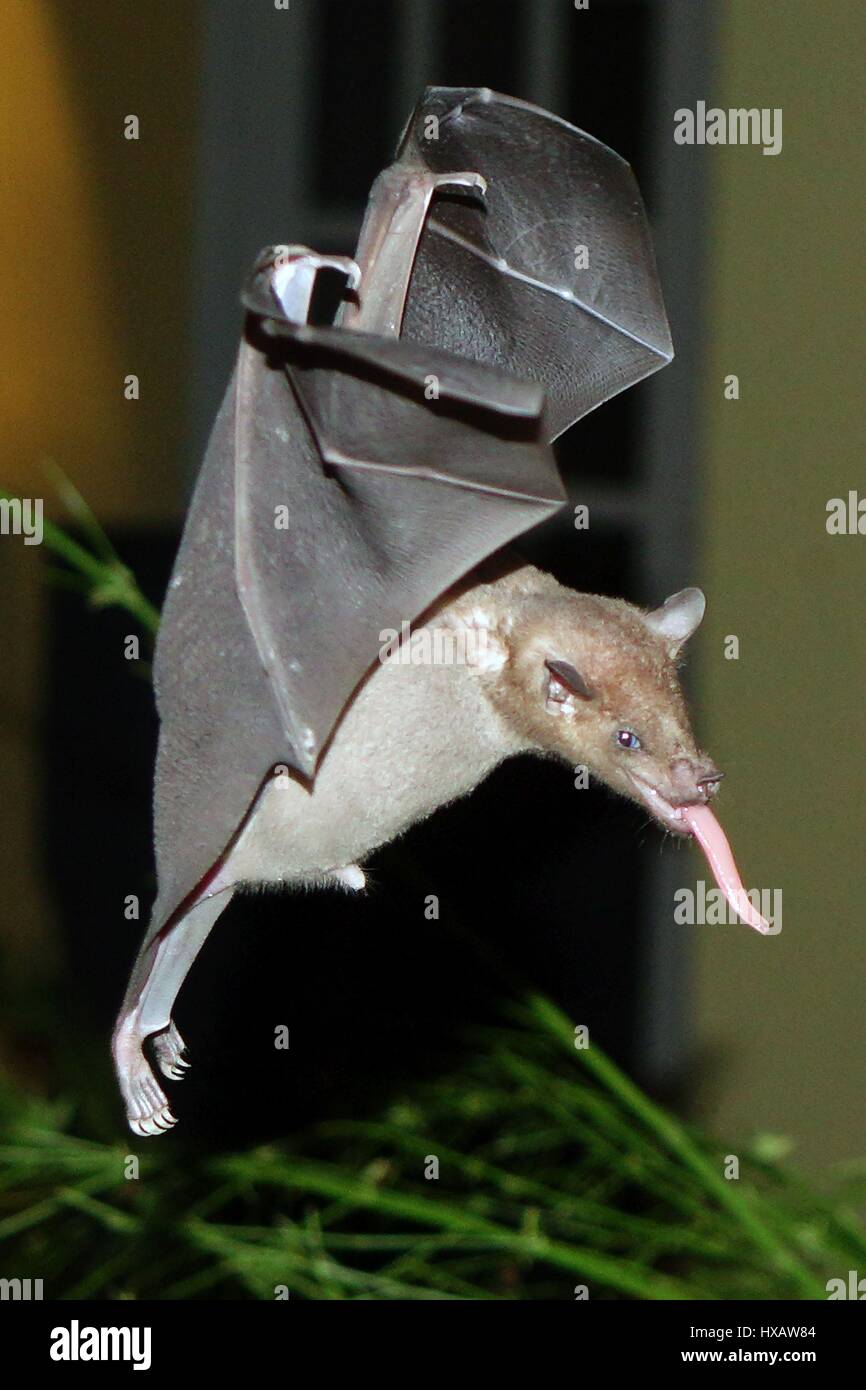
(553, 277)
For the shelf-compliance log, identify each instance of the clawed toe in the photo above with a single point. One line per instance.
(146, 1126)
(169, 1048)
(149, 1112)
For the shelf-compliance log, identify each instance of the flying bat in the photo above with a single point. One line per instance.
(333, 664)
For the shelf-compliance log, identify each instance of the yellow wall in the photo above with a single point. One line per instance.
(787, 720)
(94, 245)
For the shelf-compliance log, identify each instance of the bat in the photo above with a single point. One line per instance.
(358, 477)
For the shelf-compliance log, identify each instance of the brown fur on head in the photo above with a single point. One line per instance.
(594, 681)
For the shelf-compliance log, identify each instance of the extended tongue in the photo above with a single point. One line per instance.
(712, 840)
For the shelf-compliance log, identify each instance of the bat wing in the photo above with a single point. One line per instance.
(351, 479)
(553, 278)
(337, 499)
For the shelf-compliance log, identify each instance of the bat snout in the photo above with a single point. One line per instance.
(694, 781)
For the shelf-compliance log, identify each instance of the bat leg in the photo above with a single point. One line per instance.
(157, 977)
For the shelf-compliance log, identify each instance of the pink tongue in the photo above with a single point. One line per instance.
(711, 838)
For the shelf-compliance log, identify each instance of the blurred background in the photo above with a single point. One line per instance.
(121, 256)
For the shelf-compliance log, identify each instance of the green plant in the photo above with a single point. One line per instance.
(91, 566)
(554, 1171)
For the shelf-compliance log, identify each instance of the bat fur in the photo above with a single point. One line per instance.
(266, 658)
(418, 735)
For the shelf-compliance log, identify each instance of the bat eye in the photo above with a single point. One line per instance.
(626, 739)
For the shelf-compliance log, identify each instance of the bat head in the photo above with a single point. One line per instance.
(594, 681)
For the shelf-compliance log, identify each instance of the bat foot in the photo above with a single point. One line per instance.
(148, 1112)
(147, 1109)
(351, 876)
(156, 1123)
(169, 1048)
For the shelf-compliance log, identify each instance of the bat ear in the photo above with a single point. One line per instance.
(678, 618)
(565, 680)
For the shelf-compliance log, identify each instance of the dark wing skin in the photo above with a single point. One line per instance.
(391, 498)
(218, 724)
(496, 282)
